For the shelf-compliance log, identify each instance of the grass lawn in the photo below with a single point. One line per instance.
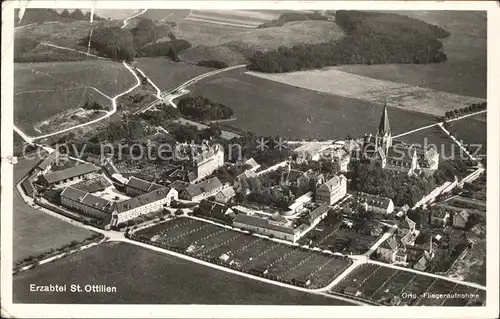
(433, 136)
(43, 90)
(403, 96)
(142, 276)
(463, 73)
(472, 130)
(36, 232)
(271, 108)
(109, 77)
(167, 74)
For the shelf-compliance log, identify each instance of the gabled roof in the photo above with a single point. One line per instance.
(373, 200)
(246, 174)
(75, 171)
(333, 183)
(407, 223)
(87, 199)
(320, 210)
(142, 200)
(263, 223)
(438, 213)
(463, 215)
(142, 185)
(179, 185)
(251, 162)
(390, 243)
(48, 160)
(203, 187)
(227, 192)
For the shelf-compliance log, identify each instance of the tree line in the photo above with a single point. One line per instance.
(202, 108)
(112, 42)
(397, 39)
(38, 15)
(474, 107)
(293, 16)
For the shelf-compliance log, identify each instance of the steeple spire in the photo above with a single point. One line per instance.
(384, 126)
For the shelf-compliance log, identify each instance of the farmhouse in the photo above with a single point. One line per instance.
(46, 163)
(215, 211)
(136, 186)
(291, 176)
(75, 173)
(388, 250)
(179, 186)
(143, 204)
(332, 190)
(202, 190)
(376, 204)
(241, 179)
(460, 219)
(225, 195)
(87, 203)
(28, 187)
(279, 229)
(183, 175)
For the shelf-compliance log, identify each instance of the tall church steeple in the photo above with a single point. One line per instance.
(384, 135)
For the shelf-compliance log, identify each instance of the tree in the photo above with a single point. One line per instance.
(77, 15)
(65, 14)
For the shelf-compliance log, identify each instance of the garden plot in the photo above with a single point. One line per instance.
(190, 235)
(439, 287)
(308, 268)
(396, 286)
(164, 228)
(282, 267)
(330, 271)
(214, 247)
(249, 250)
(376, 280)
(271, 252)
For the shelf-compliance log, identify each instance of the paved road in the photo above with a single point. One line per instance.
(125, 22)
(168, 95)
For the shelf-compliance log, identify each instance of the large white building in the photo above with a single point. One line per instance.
(278, 229)
(202, 190)
(376, 204)
(143, 204)
(332, 190)
(208, 161)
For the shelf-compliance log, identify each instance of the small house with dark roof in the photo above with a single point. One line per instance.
(136, 186)
(406, 226)
(388, 249)
(424, 261)
(71, 174)
(216, 211)
(316, 215)
(202, 190)
(225, 195)
(460, 219)
(179, 186)
(291, 176)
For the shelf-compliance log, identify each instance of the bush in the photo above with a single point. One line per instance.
(200, 108)
(213, 64)
(168, 48)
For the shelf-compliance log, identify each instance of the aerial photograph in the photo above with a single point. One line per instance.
(249, 157)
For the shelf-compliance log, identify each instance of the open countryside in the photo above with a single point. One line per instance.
(286, 222)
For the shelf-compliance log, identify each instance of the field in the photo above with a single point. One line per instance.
(167, 74)
(271, 108)
(433, 136)
(245, 252)
(44, 90)
(146, 277)
(464, 72)
(349, 85)
(378, 284)
(36, 232)
(471, 130)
